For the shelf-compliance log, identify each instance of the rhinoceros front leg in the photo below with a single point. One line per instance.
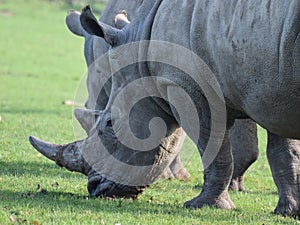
(284, 158)
(216, 180)
(244, 144)
(208, 129)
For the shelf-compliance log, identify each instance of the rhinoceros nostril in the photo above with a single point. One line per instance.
(109, 123)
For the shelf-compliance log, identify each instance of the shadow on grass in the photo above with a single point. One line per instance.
(55, 199)
(69, 202)
(63, 201)
(22, 168)
(259, 192)
(29, 111)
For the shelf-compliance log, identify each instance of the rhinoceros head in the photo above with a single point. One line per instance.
(84, 156)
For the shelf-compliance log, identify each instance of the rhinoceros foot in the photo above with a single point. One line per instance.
(237, 184)
(98, 186)
(223, 201)
(288, 206)
(181, 174)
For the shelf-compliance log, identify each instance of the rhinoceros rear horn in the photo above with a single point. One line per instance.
(94, 27)
(86, 118)
(73, 23)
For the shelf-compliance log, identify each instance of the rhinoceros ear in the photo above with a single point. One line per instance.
(94, 27)
(73, 23)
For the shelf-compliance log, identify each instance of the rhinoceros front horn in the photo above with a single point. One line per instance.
(67, 155)
(47, 149)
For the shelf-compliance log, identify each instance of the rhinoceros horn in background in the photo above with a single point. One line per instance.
(68, 155)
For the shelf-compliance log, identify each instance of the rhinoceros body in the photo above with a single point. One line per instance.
(253, 50)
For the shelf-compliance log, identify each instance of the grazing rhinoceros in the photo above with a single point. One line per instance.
(253, 50)
(243, 134)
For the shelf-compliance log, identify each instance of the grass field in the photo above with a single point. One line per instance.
(41, 65)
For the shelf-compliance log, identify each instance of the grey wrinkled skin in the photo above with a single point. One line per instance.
(284, 158)
(253, 48)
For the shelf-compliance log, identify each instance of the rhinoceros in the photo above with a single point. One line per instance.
(251, 50)
(243, 134)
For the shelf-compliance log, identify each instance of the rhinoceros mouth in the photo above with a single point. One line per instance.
(99, 186)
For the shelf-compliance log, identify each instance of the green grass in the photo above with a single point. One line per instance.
(41, 65)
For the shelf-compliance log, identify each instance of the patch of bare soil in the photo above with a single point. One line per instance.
(5, 12)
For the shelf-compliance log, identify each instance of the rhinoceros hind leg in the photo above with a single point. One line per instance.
(182, 174)
(237, 184)
(284, 158)
(178, 170)
(244, 144)
(167, 174)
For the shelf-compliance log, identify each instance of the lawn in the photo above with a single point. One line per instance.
(41, 65)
